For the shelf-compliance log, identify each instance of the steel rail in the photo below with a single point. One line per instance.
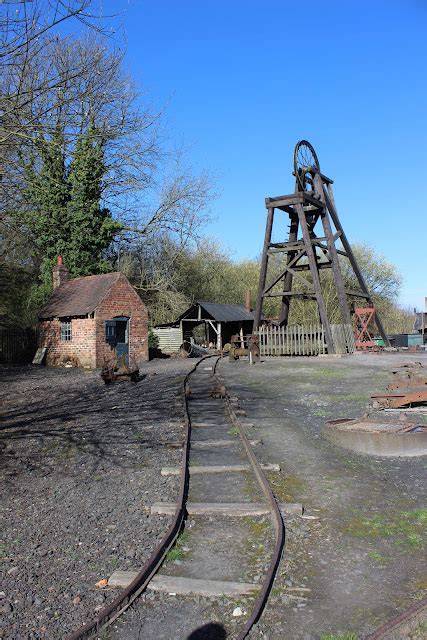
(408, 616)
(276, 519)
(114, 609)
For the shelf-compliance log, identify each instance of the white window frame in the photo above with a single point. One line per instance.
(66, 331)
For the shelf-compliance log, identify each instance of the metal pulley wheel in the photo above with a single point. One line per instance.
(306, 165)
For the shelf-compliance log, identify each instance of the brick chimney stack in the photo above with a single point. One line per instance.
(59, 273)
(248, 300)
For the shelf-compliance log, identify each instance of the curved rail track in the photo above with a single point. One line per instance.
(115, 608)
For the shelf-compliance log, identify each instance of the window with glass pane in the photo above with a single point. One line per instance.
(66, 334)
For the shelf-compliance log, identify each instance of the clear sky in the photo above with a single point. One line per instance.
(245, 80)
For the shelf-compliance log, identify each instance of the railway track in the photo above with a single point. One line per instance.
(211, 424)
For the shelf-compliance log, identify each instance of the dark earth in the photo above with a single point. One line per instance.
(82, 460)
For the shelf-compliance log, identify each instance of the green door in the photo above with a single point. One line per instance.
(122, 337)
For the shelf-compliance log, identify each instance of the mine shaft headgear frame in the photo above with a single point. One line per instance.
(311, 203)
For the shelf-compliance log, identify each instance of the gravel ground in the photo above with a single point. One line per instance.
(360, 560)
(80, 461)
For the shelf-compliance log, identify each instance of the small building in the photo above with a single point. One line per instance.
(216, 323)
(91, 319)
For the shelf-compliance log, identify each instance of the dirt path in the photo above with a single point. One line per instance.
(362, 560)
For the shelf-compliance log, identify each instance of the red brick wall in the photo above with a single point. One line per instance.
(82, 346)
(122, 300)
(88, 343)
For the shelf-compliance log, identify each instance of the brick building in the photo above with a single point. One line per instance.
(87, 320)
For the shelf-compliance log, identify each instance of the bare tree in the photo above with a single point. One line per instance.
(76, 83)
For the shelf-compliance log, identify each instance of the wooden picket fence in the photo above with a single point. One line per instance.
(298, 340)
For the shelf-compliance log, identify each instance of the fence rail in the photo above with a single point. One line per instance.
(298, 340)
(17, 346)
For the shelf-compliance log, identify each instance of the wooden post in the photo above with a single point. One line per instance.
(287, 280)
(264, 265)
(336, 270)
(315, 275)
(330, 203)
(242, 340)
(219, 339)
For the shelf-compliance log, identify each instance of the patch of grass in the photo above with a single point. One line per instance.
(343, 636)
(419, 632)
(346, 397)
(256, 527)
(324, 413)
(286, 487)
(327, 372)
(234, 431)
(404, 527)
(177, 552)
(3, 550)
(377, 557)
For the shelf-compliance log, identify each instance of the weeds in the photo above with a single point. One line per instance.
(178, 552)
(406, 527)
(343, 636)
(234, 431)
(374, 555)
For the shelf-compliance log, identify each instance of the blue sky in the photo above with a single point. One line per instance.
(244, 81)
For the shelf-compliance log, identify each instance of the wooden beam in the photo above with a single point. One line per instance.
(314, 200)
(357, 294)
(264, 265)
(330, 203)
(225, 508)
(295, 294)
(316, 280)
(280, 201)
(335, 266)
(283, 272)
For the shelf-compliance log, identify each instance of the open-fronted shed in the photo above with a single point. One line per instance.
(217, 322)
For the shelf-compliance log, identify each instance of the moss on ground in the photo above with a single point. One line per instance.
(286, 487)
(403, 527)
(342, 636)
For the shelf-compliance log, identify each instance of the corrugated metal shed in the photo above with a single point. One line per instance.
(218, 312)
(170, 338)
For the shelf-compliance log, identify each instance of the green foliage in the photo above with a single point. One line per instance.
(179, 550)
(153, 340)
(91, 227)
(63, 214)
(405, 527)
(342, 636)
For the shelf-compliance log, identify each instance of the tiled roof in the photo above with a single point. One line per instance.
(79, 296)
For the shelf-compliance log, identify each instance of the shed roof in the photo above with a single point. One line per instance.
(218, 312)
(79, 296)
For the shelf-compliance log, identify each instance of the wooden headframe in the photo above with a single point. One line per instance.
(309, 253)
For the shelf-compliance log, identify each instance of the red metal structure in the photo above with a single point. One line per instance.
(362, 317)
